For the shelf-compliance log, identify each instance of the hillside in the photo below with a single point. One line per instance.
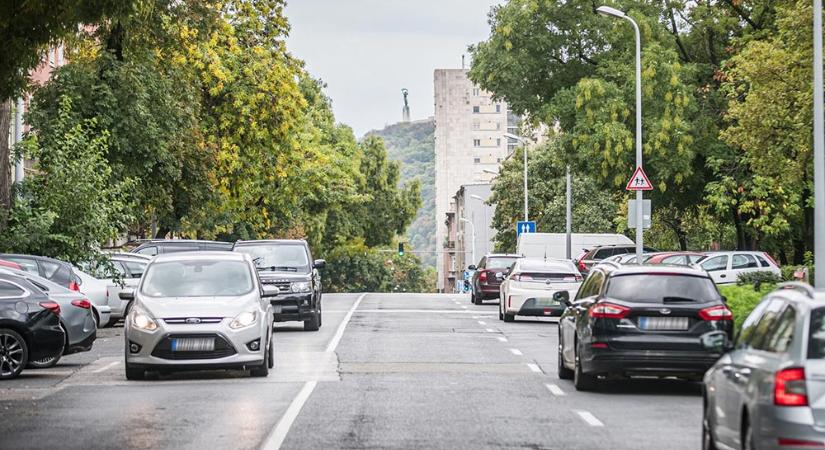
(412, 144)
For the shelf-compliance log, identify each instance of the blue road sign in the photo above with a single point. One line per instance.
(525, 227)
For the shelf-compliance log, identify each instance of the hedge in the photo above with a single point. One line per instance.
(742, 299)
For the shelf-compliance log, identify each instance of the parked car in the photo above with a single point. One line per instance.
(640, 320)
(626, 258)
(768, 389)
(487, 276)
(129, 268)
(95, 291)
(725, 267)
(199, 310)
(161, 246)
(675, 258)
(288, 265)
(529, 288)
(76, 317)
(596, 254)
(29, 325)
(49, 268)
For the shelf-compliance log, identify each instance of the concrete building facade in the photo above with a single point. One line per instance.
(473, 235)
(469, 146)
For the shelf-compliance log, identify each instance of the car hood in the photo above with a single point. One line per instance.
(175, 307)
(274, 277)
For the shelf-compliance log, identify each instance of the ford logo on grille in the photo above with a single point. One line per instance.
(193, 320)
(664, 311)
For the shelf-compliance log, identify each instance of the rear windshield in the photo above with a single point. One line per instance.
(197, 278)
(662, 288)
(277, 257)
(816, 339)
(500, 263)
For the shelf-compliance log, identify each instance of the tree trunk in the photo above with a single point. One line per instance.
(5, 160)
(740, 233)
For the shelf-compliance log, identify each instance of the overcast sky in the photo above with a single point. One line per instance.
(367, 50)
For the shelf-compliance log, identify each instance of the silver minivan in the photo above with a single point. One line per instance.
(768, 390)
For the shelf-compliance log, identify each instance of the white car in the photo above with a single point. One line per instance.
(95, 291)
(530, 284)
(725, 267)
(130, 267)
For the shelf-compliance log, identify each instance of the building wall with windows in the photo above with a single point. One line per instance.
(469, 144)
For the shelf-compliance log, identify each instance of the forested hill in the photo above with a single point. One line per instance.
(412, 144)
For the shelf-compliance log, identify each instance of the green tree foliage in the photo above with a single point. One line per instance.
(356, 267)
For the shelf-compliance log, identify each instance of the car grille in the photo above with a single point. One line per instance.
(192, 320)
(164, 348)
(283, 286)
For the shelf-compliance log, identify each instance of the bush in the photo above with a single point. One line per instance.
(742, 300)
(758, 278)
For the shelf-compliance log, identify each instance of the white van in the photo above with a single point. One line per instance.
(554, 245)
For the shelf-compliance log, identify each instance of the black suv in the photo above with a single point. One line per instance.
(590, 257)
(288, 264)
(640, 320)
(158, 246)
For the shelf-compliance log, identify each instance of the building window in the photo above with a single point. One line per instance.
(476, 110)
(498, 125)
(476, 92)
(498, 159)
(498, 108)
(498, 142)
(475, 125)
(476, 142)
(477, 160)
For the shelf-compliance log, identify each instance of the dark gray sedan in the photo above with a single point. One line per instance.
(768, 390)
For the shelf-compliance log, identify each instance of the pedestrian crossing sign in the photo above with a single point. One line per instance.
(639, 181)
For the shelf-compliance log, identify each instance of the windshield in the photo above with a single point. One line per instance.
(662, 288)
(197, 278)
(278, 257)
(500, 263)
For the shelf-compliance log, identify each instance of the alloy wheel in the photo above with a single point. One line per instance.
(13, 354)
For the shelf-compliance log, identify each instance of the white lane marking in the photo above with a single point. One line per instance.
(475, 317)
(490, 330)
(276, 438)
(502, 339)
(534, 367)
(555, 390)
(481, 322)
(425, 311)
(106, 367)
(463, 307)
(590, 419)
(333, 344)
(516, 351)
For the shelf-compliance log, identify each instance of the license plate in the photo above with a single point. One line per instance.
(546, 302)
(193, 344)
(663, 323)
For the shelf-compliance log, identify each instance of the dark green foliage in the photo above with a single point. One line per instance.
(758, 279)
(355, 267)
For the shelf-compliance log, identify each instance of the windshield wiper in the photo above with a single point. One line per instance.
(677, 300)
(278, 268)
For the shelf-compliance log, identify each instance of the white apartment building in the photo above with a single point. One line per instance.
(469, 146)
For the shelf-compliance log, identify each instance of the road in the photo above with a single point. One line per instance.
(385, 371)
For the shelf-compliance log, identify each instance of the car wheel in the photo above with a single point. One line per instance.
(271, 353)
(581, 380)
(747, 436)
(564, 372)
(313, 324)
(500, 314)
(44, 363)
(14, 354)
(707, 436)
(97, 318)
(320, 314)
(263, 370)
(478, 300)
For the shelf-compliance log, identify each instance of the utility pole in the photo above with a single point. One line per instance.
(18, 137)
(568, 220)
(819, 155)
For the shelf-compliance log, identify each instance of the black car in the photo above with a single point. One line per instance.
(29, 325)
(54, 270)
(288, 264)
(640, 320)
(158, 246)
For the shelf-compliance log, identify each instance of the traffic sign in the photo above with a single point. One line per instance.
(525, 227)
(639, 181)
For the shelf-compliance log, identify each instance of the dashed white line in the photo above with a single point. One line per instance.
(534, 367)
(555, 390)
(502, 339)
(590, 419)
(481, 322)
(463, 306)
(106, 367)
(516, 351)
(490, 330)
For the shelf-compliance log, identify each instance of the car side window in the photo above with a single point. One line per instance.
(766, 324)
(585, 287)
(749, 325)
(780, 337)
(676, 259)
(49, 268)
(761, 261)
(592, 285)
(8, 290)
(29, 265)
(483, 263)
(134, 269)
(743, 262)
(716, 263)
(603, 253)
(152, 251)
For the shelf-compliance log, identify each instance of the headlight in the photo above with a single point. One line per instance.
(244, 319)
(301, 286)
(143, 321)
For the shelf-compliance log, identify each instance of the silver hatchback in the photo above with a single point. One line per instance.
(768, 390)
(199, 310)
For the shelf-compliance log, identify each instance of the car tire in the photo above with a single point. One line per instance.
(581, 380)
(15, 354)
(314, 323)
(134, 374)
(707, 436)
(477, 300)
(45, 363)
(262, 371)
(500, 314)
(509, 317)
(271, 353)
(320, 313)
(747, 436)
(564, 372)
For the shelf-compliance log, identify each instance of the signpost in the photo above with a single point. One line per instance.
(525, 227)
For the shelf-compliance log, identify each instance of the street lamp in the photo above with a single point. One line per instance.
(613, 12)
(473, 234)
(523, 143)
(819, 155)
(486, 222)
(492, 172)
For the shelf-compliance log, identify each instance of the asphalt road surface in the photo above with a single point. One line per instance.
(385, 371)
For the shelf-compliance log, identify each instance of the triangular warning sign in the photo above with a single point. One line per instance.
(639, 181)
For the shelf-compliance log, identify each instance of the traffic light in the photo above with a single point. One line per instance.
(400, 249)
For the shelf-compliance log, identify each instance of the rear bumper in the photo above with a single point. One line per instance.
(645, 362)
(777, 422)
(293, 307)
(489, 291)
(83, 346)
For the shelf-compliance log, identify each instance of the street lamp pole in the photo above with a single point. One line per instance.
(473, 234)
(523, 143)
(819, 154)
(612, 12)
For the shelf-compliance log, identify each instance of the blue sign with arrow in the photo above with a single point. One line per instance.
(525, 227)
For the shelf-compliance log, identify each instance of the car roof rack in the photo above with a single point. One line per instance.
(804, 288)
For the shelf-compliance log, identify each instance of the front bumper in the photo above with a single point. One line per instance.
(231, 348)
(293, 307)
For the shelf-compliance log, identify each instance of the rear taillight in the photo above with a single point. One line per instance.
(51, 306)
(720, 312)
(770, 258)
(788, 442)
(582, 267)
(522, 277)
(82, 304)
(74, 286)
(482, 276)
(608, 311)
(789, 387)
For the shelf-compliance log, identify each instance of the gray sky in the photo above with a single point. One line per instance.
(367, 50)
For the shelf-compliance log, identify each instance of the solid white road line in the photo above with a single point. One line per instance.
(555, 390)
(106, 367)
(534, 367)
(590, 419)
(516, 351)
(278, 434)
(481, 322)
(502, 339)
(490, 330)
(463, 307)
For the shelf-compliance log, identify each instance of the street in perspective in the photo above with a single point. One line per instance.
(313, 224)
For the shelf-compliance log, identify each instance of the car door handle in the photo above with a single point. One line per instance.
(723, 276)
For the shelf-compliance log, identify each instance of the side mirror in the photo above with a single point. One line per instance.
(562, 297)
(724, 299)
(270, 290)
(716, 341)
(319, 264)
(472, 267)
(127, 294)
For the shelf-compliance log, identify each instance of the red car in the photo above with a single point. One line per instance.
(488, 275)
(676, 258)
